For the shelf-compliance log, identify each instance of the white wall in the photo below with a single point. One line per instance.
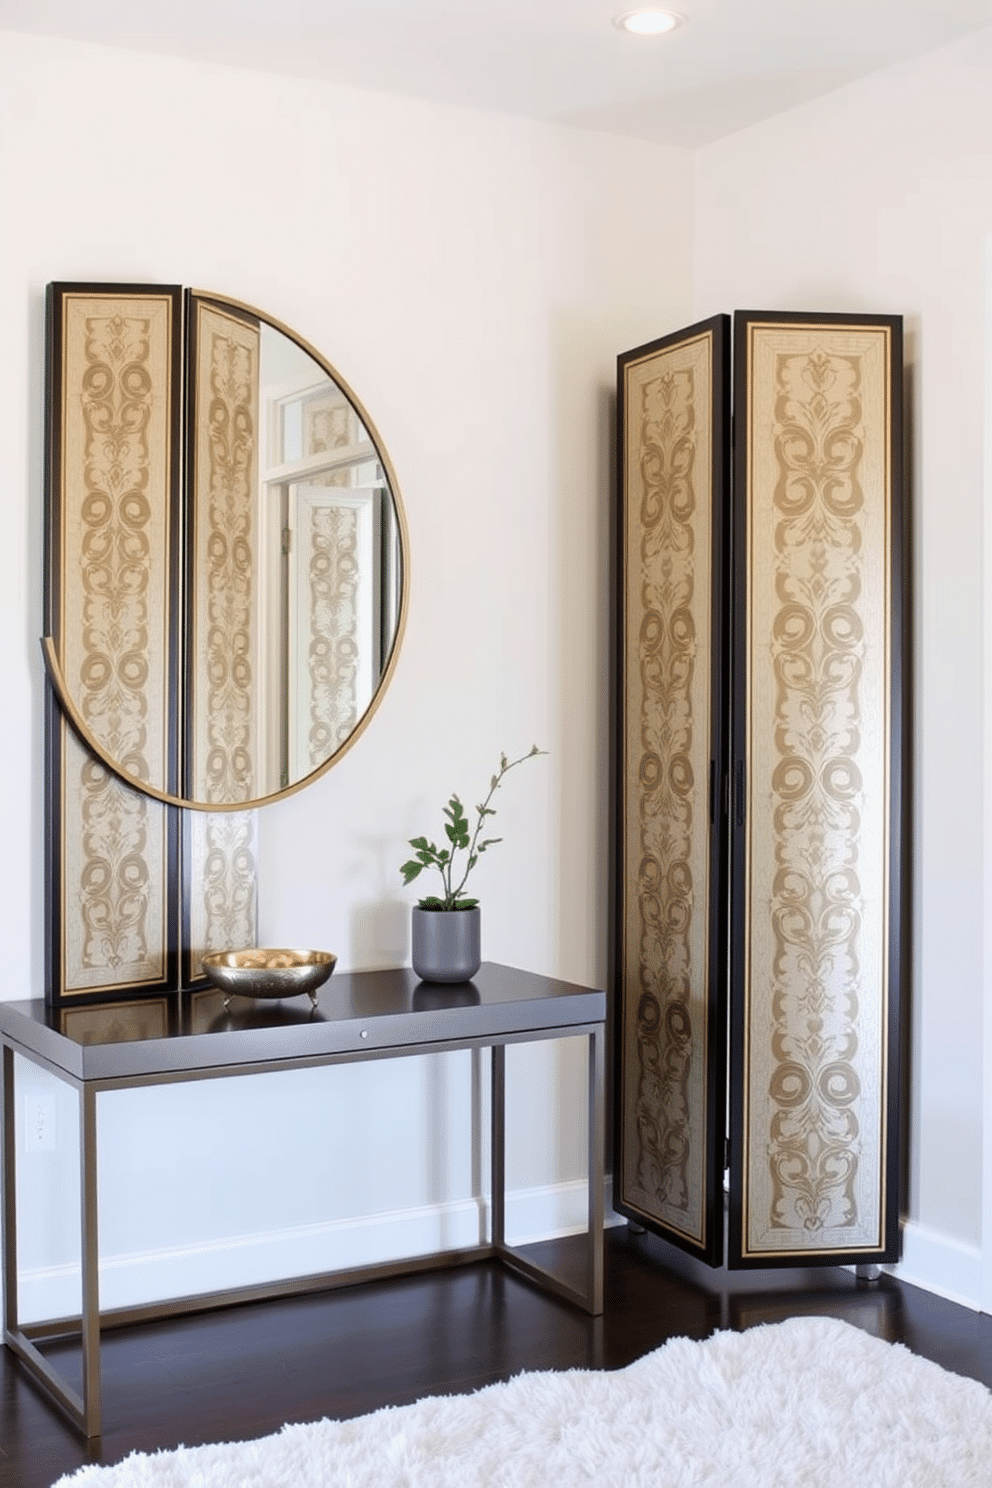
(879, 198)
(473, 278)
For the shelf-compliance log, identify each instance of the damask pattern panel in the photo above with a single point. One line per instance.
(670, 1037)
(112, 478)
(115, 908)
(222, 526)
(221, 911)
(814, 988)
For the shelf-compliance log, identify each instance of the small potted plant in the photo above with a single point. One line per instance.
(446, 938)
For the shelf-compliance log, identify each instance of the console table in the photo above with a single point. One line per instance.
(360, 1016)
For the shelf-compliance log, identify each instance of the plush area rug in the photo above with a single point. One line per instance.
(807, 1402)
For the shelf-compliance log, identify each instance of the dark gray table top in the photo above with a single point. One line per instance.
(361, 1014)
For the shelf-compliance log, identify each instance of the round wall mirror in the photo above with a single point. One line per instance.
(288, 591)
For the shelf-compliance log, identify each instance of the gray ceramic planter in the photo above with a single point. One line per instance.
(446, 944)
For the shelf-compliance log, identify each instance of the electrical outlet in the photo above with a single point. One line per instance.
(39, 1123)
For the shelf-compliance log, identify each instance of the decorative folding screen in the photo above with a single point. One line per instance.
(769, 747)
(123, 913)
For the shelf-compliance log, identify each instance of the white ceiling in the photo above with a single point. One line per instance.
(733, 62)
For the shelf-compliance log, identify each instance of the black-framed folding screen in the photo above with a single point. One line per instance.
(673, 453)
(810, 948)
(136, 890)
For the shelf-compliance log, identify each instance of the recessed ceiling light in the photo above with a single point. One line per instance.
(648, 22)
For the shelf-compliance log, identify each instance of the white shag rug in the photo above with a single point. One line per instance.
(799, 1404)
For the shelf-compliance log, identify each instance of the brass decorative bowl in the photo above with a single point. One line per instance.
(268, 973)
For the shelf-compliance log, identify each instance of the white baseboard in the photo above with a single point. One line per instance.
(939, 1264)
(932, 1261)
(246, 1260)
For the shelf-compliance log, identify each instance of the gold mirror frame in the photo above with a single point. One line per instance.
(54, 662)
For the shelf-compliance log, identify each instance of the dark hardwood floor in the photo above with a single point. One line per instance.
(243, 1372)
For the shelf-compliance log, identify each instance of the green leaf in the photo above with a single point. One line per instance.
(461, 836)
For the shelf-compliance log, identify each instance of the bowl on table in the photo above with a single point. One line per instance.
(264, 972)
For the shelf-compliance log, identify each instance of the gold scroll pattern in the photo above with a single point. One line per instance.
(115, 534)
(825, 848)
(223, 885)
(226, 482)
(333, 644)
(221, 877)
(668, 545)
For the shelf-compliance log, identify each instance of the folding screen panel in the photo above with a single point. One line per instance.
(818, 787)
(670, 1129)
(222, 705)
(807, 756)
(112, 529)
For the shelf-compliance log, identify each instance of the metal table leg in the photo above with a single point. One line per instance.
(497, 1177)
(90, 1250)
(83, 1409)
(591, 1296)
(597, 1162)
(8, 1194)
